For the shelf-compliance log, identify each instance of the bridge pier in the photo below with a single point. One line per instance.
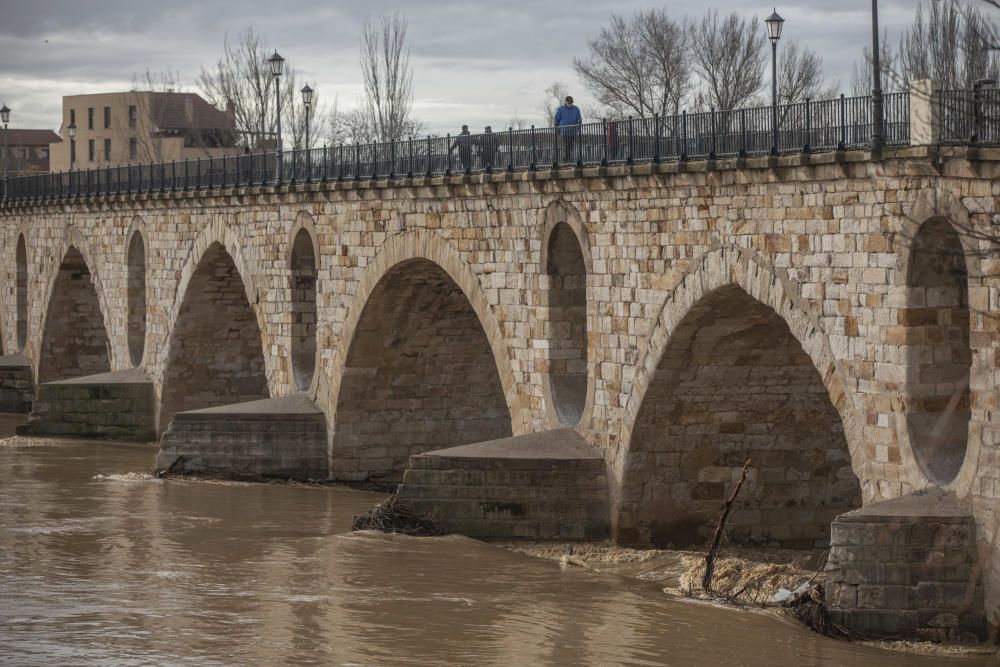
(549, 485)
(277, 437)
(17, 384)
(110, 406)
(908, 568)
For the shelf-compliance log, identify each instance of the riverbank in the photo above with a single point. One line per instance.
(744, 577)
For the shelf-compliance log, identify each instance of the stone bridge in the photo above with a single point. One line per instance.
(833, 318)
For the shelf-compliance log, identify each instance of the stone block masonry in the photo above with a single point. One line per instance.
(110, 406)
(549, 486)
(908, 568)
(17, 384)
(780, 309)
(281, 437)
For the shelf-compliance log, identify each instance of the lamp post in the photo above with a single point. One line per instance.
(277, 64)
(878, 120)
(71, 130)
(307, 100)
(5, 117)
(774, 24)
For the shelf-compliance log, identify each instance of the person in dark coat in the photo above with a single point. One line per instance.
(463, 142)
(488, 144)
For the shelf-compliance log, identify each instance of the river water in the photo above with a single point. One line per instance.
(100, 568)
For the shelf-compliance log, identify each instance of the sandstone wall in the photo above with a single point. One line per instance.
(824, 241)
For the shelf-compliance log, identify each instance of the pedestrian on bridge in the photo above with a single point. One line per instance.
(463, 142)
(568, 120)
(488, 144)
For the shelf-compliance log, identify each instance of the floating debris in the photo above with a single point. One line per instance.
(392, 516)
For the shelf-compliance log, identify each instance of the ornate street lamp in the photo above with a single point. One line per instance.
(774, 24)
(277, 64)
(307, 100)
(5, 117)
(71, 130)
(878, 119)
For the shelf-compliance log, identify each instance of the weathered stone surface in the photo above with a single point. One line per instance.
(278, 437)
(907, 567)
(830, 244)
(548, 485)
(17, 384)
(110, 406)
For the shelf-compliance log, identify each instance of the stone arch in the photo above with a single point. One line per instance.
(421, 263)
(565, 265)
(303, 265)
(702, 345)
(135, 292)
(216, 353)
(21, 293)
(74, 339)
(938, 269)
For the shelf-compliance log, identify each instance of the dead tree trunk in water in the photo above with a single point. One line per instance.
(706, 581)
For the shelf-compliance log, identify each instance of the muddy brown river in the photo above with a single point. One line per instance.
(102, 567)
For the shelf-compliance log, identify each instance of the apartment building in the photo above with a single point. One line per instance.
(140, 126)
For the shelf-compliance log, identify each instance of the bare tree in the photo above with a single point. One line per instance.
(729, 56)
(800, 75)
(388, 78)
(861, 76)
(242, 77)
(148, 147)
(554, 96)
(638, 65)
(951, 43)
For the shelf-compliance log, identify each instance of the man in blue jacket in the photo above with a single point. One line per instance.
(568, 118)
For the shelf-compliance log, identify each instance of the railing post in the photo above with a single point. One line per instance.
(684, 136)
(392, 160)
(510, 148)
(163, 177)
(409, 164)
(340, 165)
(579, 145)
(534, 153)
(657, 135)
(374, 160)
(555, 144)
(604, 131)
(357, 162)
(447, 164)
(842, 144)
(808, 145)
(711, 153)
(430, 166)
(631, 141)
(743, 132)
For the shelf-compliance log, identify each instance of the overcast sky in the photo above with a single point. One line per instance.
(475, 62)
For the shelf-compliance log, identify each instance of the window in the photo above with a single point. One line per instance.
(90, 150)
(133, 149)
(132, 115)
(107, 117)
(72, 116)
(90, 118)
(107, 150)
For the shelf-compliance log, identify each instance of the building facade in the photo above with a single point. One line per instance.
(28, 151)
(140, 126)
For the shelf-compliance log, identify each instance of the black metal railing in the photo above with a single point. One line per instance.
(969, 116)
(844, 122)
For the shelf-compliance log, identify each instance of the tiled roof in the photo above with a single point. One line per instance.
(31, 137)
(187, 111)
